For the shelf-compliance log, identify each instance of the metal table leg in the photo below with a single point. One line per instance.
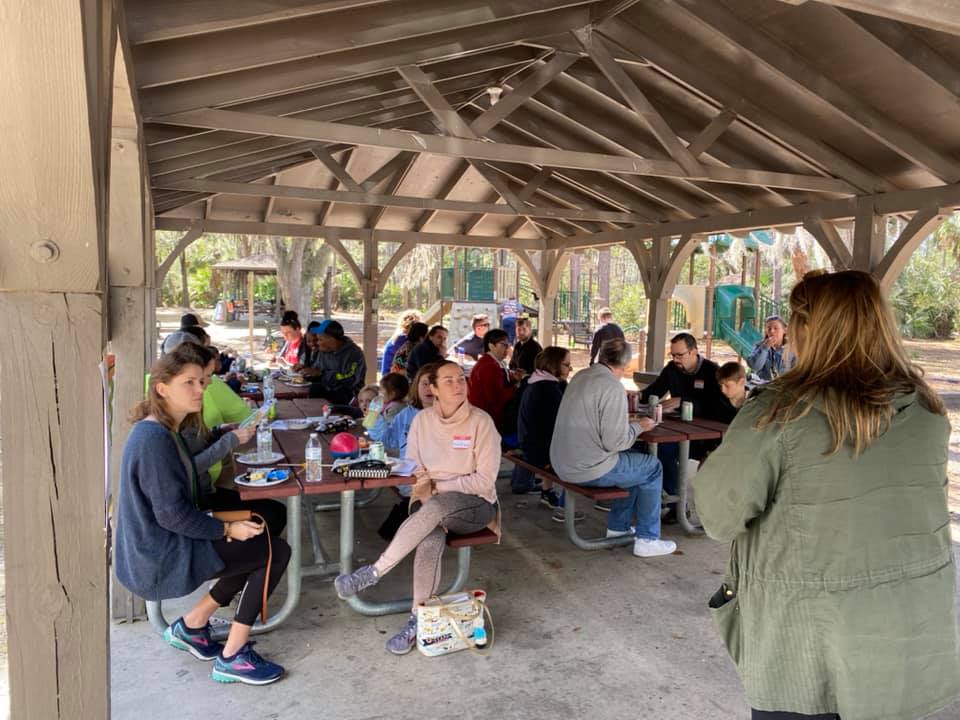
(569, 522)
(369, 498)
(155, 609)
(390, 607)
(683, 488)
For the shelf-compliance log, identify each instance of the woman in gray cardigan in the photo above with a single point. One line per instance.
(166, 547)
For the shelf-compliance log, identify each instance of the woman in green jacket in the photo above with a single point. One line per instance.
(830, 483)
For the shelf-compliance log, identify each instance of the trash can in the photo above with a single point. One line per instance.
(220, 312)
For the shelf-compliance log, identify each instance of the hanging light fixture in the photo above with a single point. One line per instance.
(494, 91)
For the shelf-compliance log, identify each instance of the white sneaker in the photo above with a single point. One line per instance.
(652, 548)
(620, 533)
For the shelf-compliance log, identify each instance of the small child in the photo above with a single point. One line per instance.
(366, 394)
(733, 383)
(394, 389)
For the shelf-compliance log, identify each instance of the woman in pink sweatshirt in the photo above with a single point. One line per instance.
(457, 450)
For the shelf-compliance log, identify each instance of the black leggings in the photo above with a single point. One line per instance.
(275, 513)
(780, 715)
(245, 565)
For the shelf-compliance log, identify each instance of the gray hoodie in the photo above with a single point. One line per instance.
(592, 426)
(343, 373)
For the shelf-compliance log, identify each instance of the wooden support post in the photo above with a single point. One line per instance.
(130, 259)
(545, 334)
(690, 279)
(56, 73)
(711, 289)
(184, 281)
(869, 239)
(656, 332)
(371, 310)
(250, 313)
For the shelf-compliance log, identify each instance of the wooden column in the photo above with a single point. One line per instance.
(711, 290)
(132, 302)
(551, 266)
(756, 276)
(656, 332)
(56, 79)
(371, 308)
(869, 239)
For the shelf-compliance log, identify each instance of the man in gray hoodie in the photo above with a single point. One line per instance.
(339, 369)
(593, 445)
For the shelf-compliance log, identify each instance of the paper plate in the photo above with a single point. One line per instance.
(252, 458)
(246, 482)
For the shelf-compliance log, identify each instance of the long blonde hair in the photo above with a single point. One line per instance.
(850, 358)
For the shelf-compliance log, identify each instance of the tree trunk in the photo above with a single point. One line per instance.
(184, 285)
(299, 262)
(575, 287)
(778, 266)
(328, 291)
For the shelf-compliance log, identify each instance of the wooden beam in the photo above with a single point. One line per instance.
(454, 125)
(523, 92)
(193, 232)
(392, 188)
(798, 71)
(921, 225)
(689, 74)
(712, 132)
(338, 170)
(636, 100)
(399, 254)
(535, 183)
(947, 197)
(829, 239)
(869, 238)
(398, 164)
(330, 232)
(403, 201)
(492, 152)
(941, 15)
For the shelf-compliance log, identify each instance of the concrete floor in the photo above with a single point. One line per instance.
(579, 635)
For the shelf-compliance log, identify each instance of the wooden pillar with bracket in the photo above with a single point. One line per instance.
(132, 300)
(551, 267)
(56, 65)
(371, 307)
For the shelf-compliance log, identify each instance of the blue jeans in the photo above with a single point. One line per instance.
(669, 454)
(642, 475)
(510, 328)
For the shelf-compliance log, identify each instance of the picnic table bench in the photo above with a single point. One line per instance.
(579, 332)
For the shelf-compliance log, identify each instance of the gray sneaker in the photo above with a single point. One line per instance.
(403, 641)
(359, 579)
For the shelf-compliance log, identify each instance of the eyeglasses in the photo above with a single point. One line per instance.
(677, 356)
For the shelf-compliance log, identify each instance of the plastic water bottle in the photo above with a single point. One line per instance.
(314, 457)
(264, 440)
(373, 411)
(461, 356)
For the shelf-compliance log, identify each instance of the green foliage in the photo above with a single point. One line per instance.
(391, 298)
(265, 288)
(926, 297)
(350, 296)
(630, 306)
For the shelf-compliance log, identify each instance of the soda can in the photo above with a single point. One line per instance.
(632, 400)
(658, 414)
(686, 411)
(377, 452)
(652, 402)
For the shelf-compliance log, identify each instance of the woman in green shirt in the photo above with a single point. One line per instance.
(839, 598)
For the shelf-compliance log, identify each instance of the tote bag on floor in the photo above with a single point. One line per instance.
(454, 622)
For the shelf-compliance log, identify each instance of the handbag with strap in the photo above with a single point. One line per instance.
(454, 622)
(239, 516)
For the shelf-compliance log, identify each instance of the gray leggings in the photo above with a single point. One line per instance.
(425, 530)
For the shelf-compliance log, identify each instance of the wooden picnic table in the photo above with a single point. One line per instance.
(675, 430)
(292, 444)
(281, 391)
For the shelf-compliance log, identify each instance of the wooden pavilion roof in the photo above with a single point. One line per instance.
(344, 118)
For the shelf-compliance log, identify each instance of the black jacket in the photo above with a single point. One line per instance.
(539, 405)
(701, 388)
(423, 354)
(606, 332)
(524, 354)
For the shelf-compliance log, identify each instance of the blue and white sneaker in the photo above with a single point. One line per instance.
(247, 666)
(196, 642)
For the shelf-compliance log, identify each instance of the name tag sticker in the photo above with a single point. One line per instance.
(698, 384)
(462, 442)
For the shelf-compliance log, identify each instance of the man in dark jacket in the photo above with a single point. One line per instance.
(339, 368)
(608, 330)
(526, 350)
(688, 377)
(472, 344)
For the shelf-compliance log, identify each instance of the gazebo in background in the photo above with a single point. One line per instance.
(244, 271)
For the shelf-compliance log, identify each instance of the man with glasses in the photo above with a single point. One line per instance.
(472, 344)
(526, 350)
(491, 384)
(688, 377)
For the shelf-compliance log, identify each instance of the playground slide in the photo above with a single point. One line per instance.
(742, 340)
(435, 312)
